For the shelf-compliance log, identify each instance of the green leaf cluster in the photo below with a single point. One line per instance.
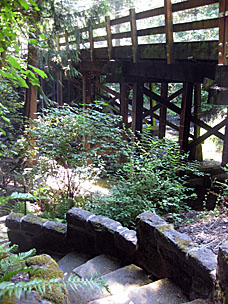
(12, 264)
(153, 178)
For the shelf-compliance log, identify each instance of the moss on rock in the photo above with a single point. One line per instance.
(48, 269)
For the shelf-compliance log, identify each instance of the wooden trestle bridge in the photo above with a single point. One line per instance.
(136, 67)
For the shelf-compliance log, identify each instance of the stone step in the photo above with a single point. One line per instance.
(159, 292)
(71, 260)
(100, 265)
(118, 281)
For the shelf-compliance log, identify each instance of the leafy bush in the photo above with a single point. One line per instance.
(153, 179)
(70, 145)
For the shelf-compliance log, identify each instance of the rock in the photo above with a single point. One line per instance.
(159, 292)
(118, 281)
(72, 260)
(100, 265)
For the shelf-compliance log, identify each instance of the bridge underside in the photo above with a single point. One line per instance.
(137, 102)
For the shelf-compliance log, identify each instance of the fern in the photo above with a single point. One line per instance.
(41, 286)
(11, 264)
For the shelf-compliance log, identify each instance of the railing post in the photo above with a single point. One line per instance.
(109, 36)
(222, 9)
(223, 32)
(91, 42)
(134, 38)
(169, 31)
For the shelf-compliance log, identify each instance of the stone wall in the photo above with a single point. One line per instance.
(166, 253)
(84, 232)
(157, 247)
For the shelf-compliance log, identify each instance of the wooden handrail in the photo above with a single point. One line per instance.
(178, 27)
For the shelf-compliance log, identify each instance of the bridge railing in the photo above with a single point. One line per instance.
(168, 29)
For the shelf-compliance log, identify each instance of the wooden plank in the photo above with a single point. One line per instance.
(91, 43)
(59, 88)
(181, 6)
(185, 116)
(134, 38)
(191, 52)
(160, 71)
(137, 108)
(66, 37)
(152, 103)
(151, 111)
(109, 36)
(197, 151)
(163, 101)
(203, 125)
(175, 94)
(212, 131)
(86, 89)
(163, 111)
(180, 27)
(225, 146)
(107, 89)
(226, 36)
(150, 13)
(169, 31)
(124, 103)
(120, 20)
(196, 25)
(170, 124)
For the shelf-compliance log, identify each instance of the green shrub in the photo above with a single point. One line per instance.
(153, 179)
(70, 145)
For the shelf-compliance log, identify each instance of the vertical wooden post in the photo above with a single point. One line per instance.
(66, 38)
(109, 36)
(86, 89)
(60, 77)
(124, 102)
(137, 107)
(2, 62)
(226, 36)
(225, 147)
(134, 38)
(169, 31)
(152, 104)
(222, 31)
(163, 111)
(184, 129)
(30, 107)
(197, 152)
(91, 42)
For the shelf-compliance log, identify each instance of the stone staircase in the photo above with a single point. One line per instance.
(128, 284)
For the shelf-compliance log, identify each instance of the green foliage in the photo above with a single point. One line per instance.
(72, 145)
(152, 179)
(12, 264)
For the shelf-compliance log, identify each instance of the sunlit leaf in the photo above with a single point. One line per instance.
(24, 4)
(14, 62)
(38, 71)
